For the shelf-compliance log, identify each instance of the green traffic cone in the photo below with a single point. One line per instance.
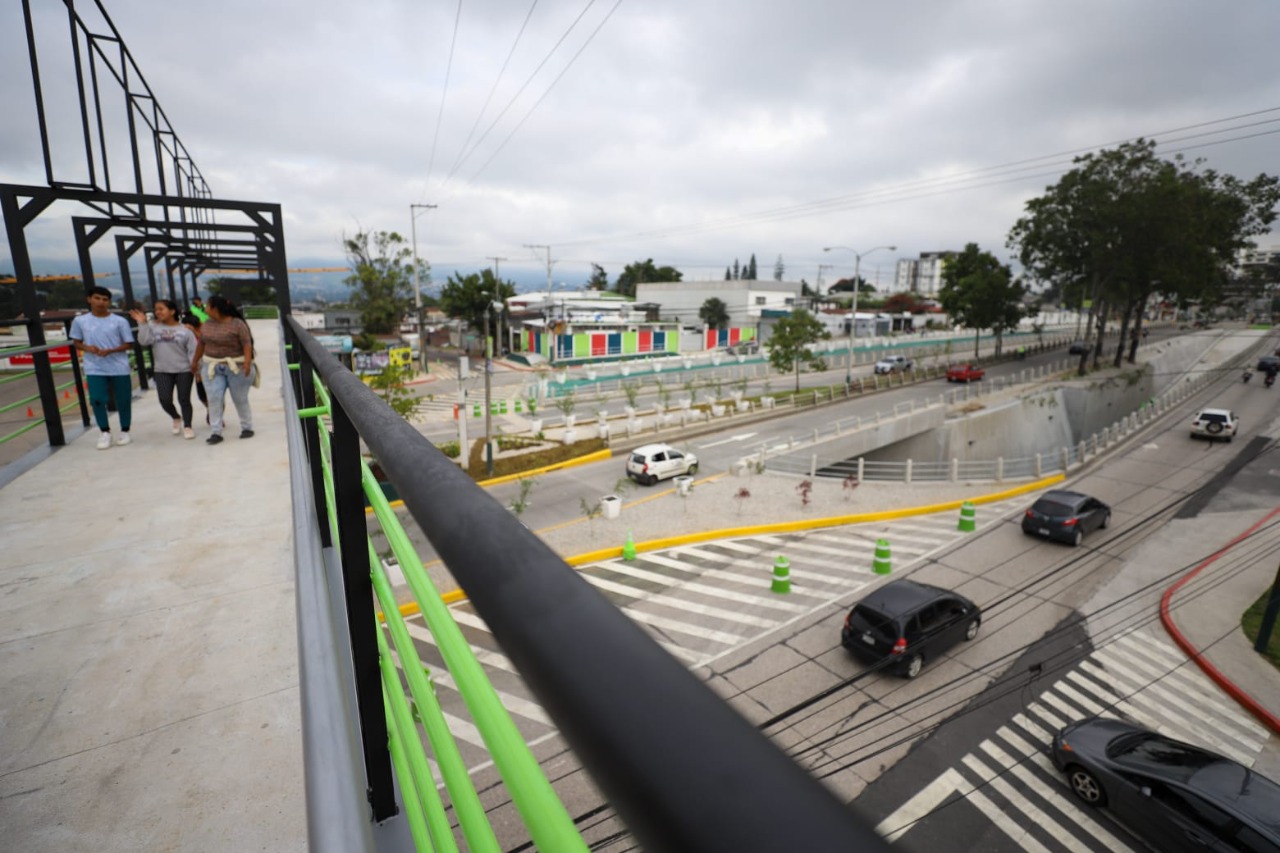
(781, 575)
(629, 548)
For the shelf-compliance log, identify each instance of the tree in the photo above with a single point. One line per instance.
(1124, 225)
(845, 285)
(641, 272)
(900, 303)
(465, 297)
(599, 278)
(381, 279)
(246, 291)
(737, 273)
(789, 346)
(750, 273)
(979, 293)
(727, 276)
(779, 270)
(389, 384)
(714, 313)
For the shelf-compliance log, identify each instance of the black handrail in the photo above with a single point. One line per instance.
(684, 770)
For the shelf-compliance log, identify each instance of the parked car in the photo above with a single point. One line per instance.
(1269, 364)
(905, 623)
(893, 364)
(1174, 795)
(1214, 424)
(654, 462)
(1065, 516)
(1079, 348)
(965, 373)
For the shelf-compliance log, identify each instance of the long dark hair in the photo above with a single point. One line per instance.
(226, 307)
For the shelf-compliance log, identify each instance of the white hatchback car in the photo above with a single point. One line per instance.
(893, 364)
(1214, 424)
(654, 462)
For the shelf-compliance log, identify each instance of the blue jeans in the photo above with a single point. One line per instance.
(224, 380)
(100, 389)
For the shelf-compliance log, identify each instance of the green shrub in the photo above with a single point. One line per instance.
(451, 449)
(552, 455)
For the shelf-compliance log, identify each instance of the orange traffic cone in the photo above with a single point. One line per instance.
(30, 413)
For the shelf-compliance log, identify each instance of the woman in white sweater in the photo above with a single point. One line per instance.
(173, 347)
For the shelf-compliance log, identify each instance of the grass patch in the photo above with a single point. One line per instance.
(550, 455)
(1251, 621)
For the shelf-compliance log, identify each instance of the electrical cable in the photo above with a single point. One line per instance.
(444, 94)
(489, 98)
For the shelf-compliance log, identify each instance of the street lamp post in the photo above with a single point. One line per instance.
(417, 290)
(853, 319)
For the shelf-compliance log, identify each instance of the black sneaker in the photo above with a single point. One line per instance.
(247, 433)
(213, 439)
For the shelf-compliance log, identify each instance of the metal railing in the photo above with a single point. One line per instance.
(792, 460)
(683, 769)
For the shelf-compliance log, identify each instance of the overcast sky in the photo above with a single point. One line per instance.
(693, 133)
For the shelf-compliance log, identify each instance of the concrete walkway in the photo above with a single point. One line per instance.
(147, 640)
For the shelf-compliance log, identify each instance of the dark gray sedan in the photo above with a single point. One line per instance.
(1174, 795)
(1065, 516)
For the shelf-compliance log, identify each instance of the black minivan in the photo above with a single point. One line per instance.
(906, 623)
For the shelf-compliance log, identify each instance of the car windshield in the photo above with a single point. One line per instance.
(1213, 416)
(1151, 752)
(864, 618)
(1053, 509)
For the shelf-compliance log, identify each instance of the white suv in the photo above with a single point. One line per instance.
(893, 364)
(1215, 423)
(654, 462)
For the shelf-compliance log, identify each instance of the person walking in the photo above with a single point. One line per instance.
(227, 343)
(192, 322)
(104, 339)
(173, 349)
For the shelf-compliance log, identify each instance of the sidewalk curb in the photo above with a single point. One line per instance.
(1216, 675)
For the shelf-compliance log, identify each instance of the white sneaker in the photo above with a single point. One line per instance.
(177, 426)
(188, 432)
(104, 441)
(122, 439)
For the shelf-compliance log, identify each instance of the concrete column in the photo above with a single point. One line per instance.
(955, 469)
(861, 468)
(1066, 459)
(1039, 469)
(999, 468)
(908, 472)
(813, 465)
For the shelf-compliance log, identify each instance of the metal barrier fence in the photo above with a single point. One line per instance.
(683, 770)
(792, 459)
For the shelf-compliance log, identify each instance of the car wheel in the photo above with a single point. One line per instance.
(972, 630)
(1106, 520)
(693, 469)
(913, 667)
(1086, 787)
(650, 479)
(1078, 538)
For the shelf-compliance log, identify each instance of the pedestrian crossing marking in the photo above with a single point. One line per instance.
(1038, 816)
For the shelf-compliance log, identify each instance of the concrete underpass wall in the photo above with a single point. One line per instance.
(1068, 412)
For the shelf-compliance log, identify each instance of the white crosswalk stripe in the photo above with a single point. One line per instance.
(1138, 676)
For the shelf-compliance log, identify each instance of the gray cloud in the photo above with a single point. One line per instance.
(676, 126)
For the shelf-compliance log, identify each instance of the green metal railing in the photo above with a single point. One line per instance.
(545, 817)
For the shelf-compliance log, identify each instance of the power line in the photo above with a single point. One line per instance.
(444, 94)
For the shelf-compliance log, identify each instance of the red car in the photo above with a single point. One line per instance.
(965, 373)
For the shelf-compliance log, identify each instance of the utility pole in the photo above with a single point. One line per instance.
(417, 289)
(547, 310)
(497, 284)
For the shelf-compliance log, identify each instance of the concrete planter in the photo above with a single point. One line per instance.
(684, 484)
(611, 506)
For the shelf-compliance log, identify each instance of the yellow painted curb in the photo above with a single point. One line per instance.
(598, 456)
(810, 524)
(780, 527)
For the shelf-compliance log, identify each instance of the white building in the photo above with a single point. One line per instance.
(922, 276)
(745, 299)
